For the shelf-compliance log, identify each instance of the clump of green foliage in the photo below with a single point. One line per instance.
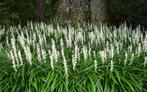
(44, 58)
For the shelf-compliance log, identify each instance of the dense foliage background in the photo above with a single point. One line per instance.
(18, 11)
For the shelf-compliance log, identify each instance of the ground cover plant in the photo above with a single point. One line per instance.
(51, 58)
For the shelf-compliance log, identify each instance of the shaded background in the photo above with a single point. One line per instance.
(13, 12)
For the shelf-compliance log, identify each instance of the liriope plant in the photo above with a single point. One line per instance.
(44, 58)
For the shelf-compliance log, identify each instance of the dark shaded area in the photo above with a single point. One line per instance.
(13, 12)
(139, 18)
(133, 12)
(40, 5)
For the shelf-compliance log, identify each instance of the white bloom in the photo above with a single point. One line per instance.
(139, 49)
(95, 61)
(61, 42)
(34, 40)
(74, 61)
(145, 44)
(43, 54)
(132, 57)
(1, 47)
(112, 51)
(13, 44)
(51, 58)
(75, 57)
(13, 61)
(8, 55)
(78, 53)
(44, 38)
(92, 37)
(112, 66)
(7, 41)
(145, 61)
(38, 53)
(130, 39)
(66, 38)
(27, 37)
(117, 47)
(107, 45)
(20, 57)
(103, 55)
(141, 37)
(95, 64)
(28, 54)
(54, 51)
(85, 52)
(22, 41)
(70, 37)
(130, 48)
(14, 50)
(89, 51)
(126, 58)
(79, 37)
(64, 61)
(40, 38)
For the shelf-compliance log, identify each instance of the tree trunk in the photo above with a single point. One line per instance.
(99, 11)
(40, 4)
(82, 11)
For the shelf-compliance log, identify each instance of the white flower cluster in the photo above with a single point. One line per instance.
(2, 31)
(103, 44)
